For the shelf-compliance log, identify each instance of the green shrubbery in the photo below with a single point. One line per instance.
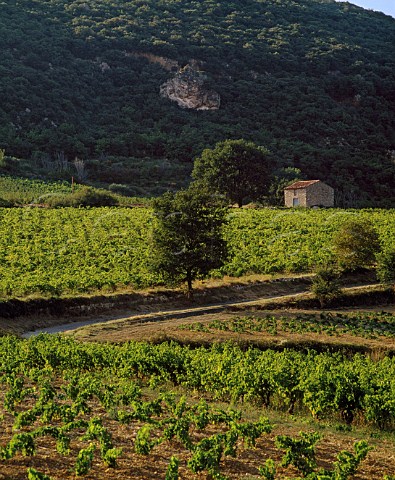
(2, 157)
(326, 285)
(386, 267)
(5, 203)
(356, 244)
(84, 197)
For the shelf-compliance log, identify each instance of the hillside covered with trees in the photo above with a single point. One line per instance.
(313, 81)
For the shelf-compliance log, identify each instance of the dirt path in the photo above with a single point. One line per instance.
(179, 313)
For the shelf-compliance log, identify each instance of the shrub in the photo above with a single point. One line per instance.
(356, 245)
(386, 267)
(5, 203)
(326, 286)
(2, 158)
(84, 197)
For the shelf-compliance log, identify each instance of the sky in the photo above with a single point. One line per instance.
(386, 6)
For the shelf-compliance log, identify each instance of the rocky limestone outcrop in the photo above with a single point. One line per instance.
(187, 88)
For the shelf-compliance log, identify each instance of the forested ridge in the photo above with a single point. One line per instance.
(312, 80)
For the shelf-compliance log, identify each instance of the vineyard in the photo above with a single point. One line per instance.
(365, 325)
(62, 251)
(23, 190)
(271, 241)
(16, 192)
(97, 411)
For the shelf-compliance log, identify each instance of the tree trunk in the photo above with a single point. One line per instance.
(189, 284)
(240, 202)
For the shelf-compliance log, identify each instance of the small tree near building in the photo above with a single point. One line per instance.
(187, 235)
(281, 179)
(356, 245)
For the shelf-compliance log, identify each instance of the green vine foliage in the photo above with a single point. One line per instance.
(143, 444)
(172, 470)
(299, 452)
(268, 471)
(71, 372)
(33, 474)
(84, 460)
(107, 248)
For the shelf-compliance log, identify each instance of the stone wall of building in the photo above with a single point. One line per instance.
(320, 194)
(290, 195)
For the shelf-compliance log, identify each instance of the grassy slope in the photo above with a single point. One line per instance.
(17, 191)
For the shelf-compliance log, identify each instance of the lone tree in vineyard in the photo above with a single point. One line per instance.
(187, 236)
(235, 168)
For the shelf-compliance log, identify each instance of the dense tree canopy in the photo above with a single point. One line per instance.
(235, 168)
(187, 237)
(312, 80)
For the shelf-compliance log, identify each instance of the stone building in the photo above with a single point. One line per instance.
(309, 193)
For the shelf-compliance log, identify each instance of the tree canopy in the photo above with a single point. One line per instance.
(235, 168)
(187, 236)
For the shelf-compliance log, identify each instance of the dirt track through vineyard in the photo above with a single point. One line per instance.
(179, 314)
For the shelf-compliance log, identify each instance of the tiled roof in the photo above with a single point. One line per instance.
(301, 184)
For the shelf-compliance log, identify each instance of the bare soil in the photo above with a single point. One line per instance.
(380, 460)
(93, 309)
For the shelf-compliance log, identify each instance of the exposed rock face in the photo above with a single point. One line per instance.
(188, 90)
